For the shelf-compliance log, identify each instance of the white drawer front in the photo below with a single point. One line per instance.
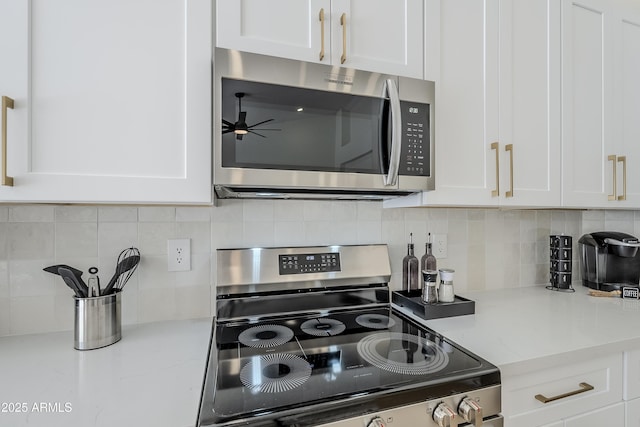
(522, 409)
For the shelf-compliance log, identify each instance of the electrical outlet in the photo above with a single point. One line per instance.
(179, 254)
(440, 245)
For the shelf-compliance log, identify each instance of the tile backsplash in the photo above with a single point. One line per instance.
(488, 248)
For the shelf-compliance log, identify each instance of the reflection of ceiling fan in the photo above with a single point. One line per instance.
(240, 127)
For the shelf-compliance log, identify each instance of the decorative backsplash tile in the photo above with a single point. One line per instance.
(488, 248)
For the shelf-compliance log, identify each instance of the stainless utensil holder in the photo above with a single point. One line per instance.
(98, 321)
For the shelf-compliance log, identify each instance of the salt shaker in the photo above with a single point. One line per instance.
(430, 287)
(446, 292)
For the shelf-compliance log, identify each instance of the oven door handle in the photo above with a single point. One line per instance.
(391, 89)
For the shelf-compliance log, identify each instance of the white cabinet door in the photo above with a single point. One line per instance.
(373, 35)
(632, 413)
(609, 416)
(114, 102)
(632, 374)
(295, 29)
(378, 35)
(600, 40)
(498, 89)
(530, 102)
(467, 105)
(626, 95)
(587, 77)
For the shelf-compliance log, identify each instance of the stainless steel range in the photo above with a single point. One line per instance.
(306, 336)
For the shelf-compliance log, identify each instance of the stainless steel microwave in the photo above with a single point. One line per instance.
(291, 129)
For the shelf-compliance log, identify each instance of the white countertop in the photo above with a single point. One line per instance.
(152, 377)
(525, 329)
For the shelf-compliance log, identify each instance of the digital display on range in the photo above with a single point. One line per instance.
(309, 263)
(414, 160)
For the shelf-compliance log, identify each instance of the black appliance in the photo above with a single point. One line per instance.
(609, 260)
(307, 337)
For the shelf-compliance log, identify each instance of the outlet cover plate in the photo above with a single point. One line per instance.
(440, 246)
(179, 254)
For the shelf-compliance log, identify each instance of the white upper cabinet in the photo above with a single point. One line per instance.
(498, 104)
(601, 101)
(373, 35)
(112, 100)
(529, 103)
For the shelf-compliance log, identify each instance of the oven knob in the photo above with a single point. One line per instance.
(444, 416)
(470, 411)
(376, 422)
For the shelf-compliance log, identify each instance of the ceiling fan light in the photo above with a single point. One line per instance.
(240, 131)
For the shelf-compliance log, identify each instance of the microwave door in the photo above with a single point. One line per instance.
(306, 137)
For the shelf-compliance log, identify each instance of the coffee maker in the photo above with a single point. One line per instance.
(609, 260)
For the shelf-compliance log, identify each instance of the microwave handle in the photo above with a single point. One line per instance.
(391, 89)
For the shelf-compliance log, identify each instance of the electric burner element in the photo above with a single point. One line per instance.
(375, 321)
(275, 373)
(390, 351)
(265, 336)
(323, 327)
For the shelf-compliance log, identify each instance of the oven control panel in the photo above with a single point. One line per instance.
(309, 263)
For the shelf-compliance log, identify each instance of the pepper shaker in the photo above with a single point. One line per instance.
(430, 287)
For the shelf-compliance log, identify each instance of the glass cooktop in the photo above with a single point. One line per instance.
(276, 367)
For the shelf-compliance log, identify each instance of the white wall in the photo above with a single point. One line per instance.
(487, 248)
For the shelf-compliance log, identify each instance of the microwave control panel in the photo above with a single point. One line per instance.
(414, 160)
(309, 263)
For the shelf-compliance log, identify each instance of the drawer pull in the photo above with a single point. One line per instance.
(583, 387)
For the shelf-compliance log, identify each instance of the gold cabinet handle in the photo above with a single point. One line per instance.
(612, 158)
(343, 22)
(6, 103)
(583, 387)
(509, 148)
(496, 192)
(623, 160)
(321, 17)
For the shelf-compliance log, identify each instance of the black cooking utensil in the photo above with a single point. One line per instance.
(54, 270)
(127, 263)
(72, 281)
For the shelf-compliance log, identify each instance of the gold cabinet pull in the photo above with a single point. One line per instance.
(623, 160)
(612, 158)
(583, 387)
(343, 22)
(321, 17)
(496, 192)
(509, 148)
(6, 103)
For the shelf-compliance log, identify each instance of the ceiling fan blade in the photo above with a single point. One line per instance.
(227, 123)
(226, 131)
(261, 129)
(256, 133)
(259, 123)
(242, 117)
